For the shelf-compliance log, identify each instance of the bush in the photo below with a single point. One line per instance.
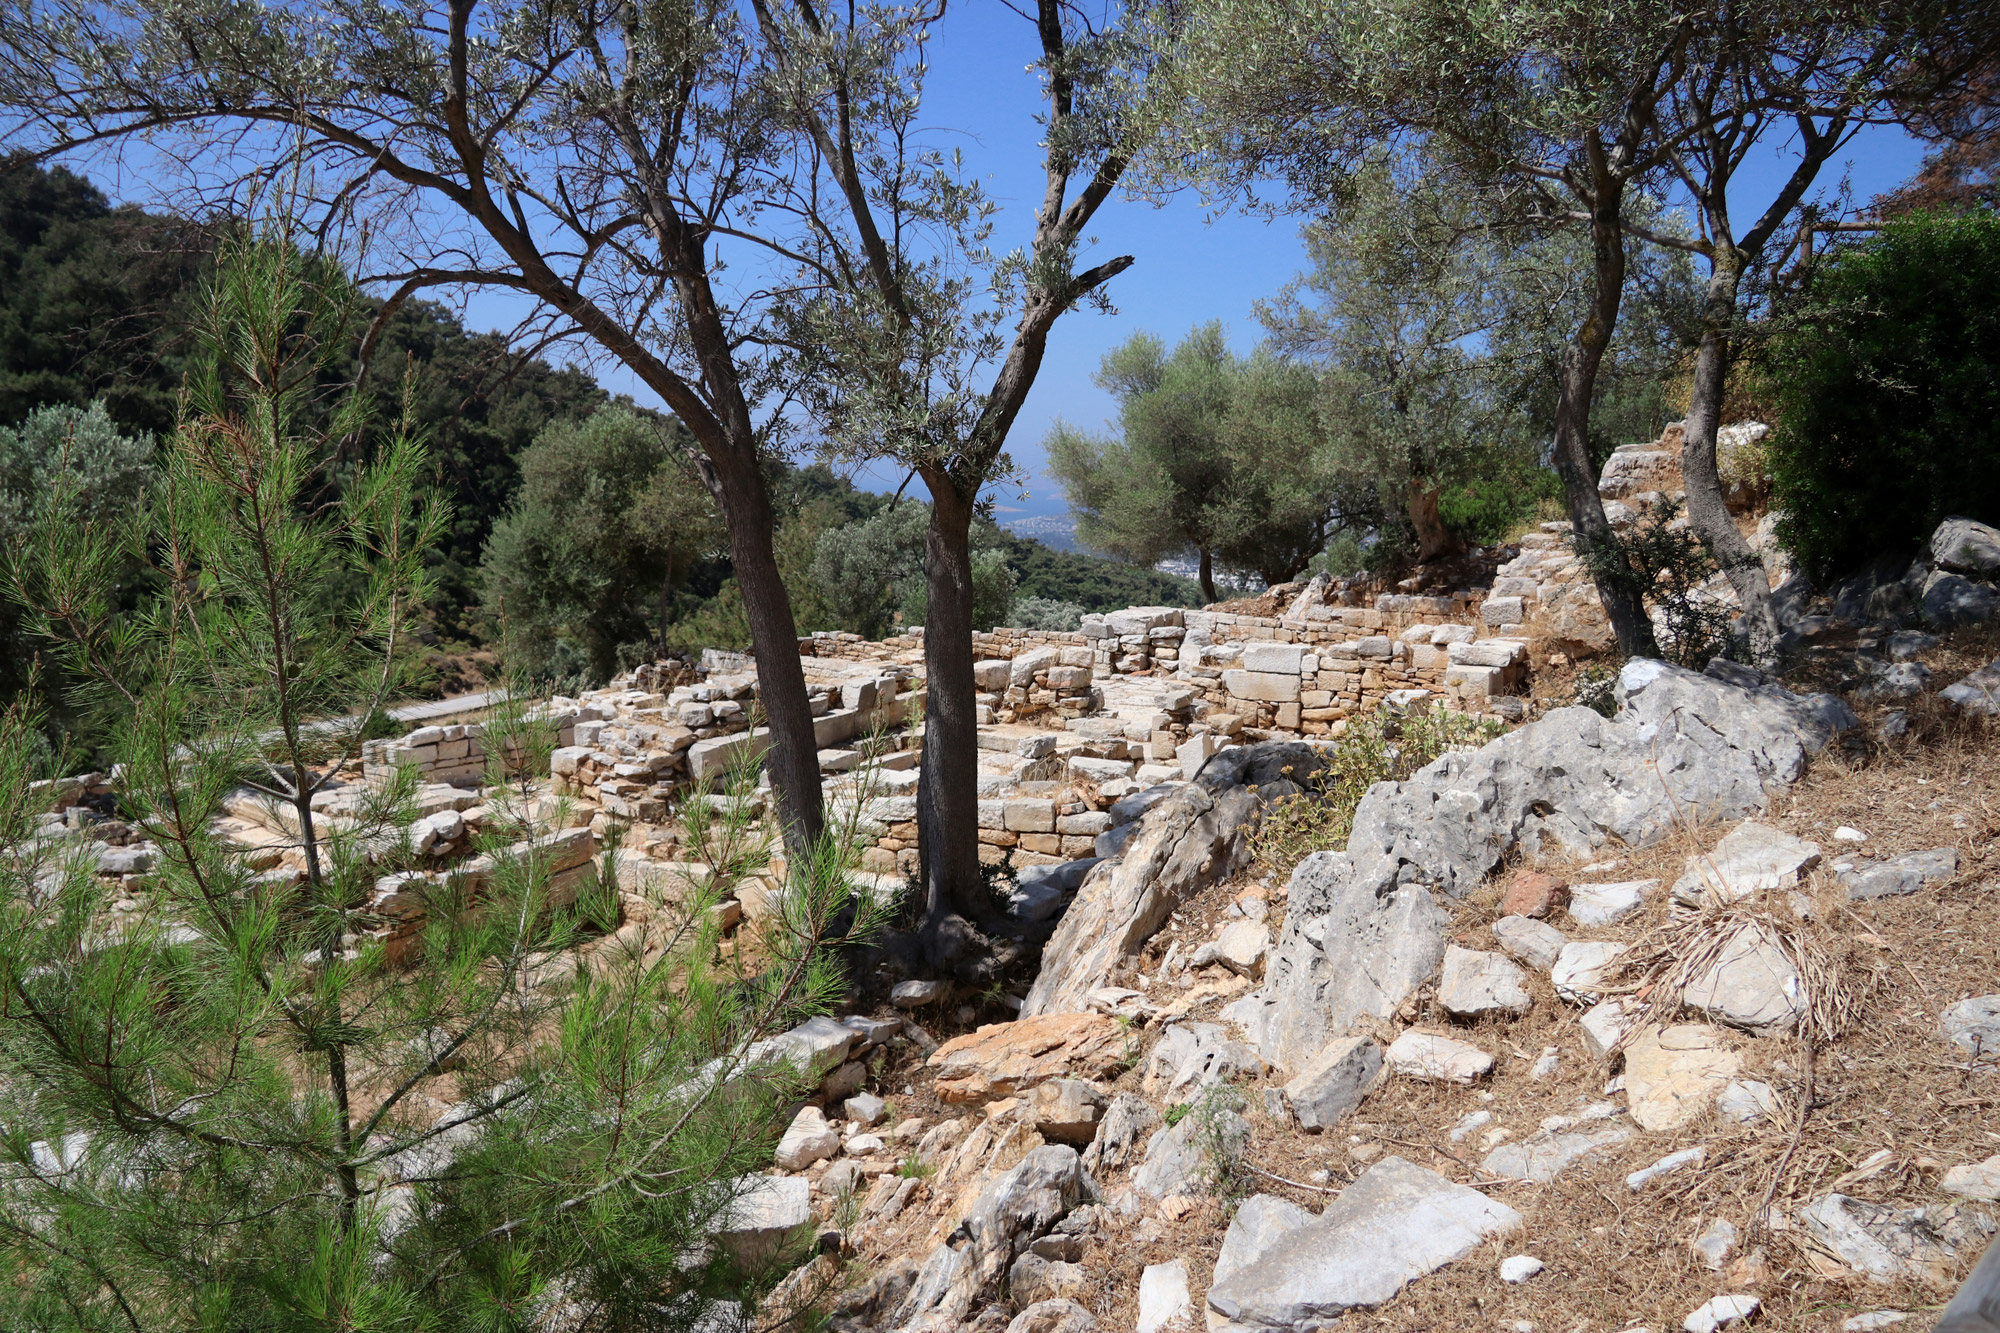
(1378, 748)
(1666, 565)
(1046, 613)
(609, 522)
(1888, 410)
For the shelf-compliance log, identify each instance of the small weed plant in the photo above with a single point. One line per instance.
(1381, 748)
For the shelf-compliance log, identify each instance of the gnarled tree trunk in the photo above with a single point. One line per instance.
(1708, 507)
(955, 899)
(1625, 608)
(1434, 539)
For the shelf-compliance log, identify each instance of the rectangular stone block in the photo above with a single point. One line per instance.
(1477, 681)
(1030, 814)
(1282, 658)
(1499, 611)
(1488, 653)
(991, 675)
(1262, 686)
(1048, 844)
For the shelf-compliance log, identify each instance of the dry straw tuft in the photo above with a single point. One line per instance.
(1658, 967)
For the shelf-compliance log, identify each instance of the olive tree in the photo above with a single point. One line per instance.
(939, 342)
(629, 169)
(1557, 111)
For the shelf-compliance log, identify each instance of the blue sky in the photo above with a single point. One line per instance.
(1193, 264)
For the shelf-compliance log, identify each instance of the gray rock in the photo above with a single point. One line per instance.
(917, 994)
(1714, 1244)
(1977, 694)
(765, 1212)
(1475, 982)
(1751, 984)
(1898, 875)
(1190, 1157)
(1579, 781)
(1720, 1311)
(1436, 1059)
(1333, 1082)
(1905, 644)
(1886, 1244)
(1345, 951)
(1066, 877)
(842, 1178)
(1068, 1110)
(1395, 1224)
(1579, 968)
(1057, 1316)
(865, 1109)
(1536, 943)
(1544, 1155)
(1008, 1216)
(1163, 1296)
(135, 860)
(844, 1081)
(1974, 1180)
(1904, 680)
(1973, 1026)
(1257, 1226)
(1240, 948)
(1965, 546)
(1605, 1024)
(1608, 904)
(1192, 837)
(1362, 933)
(1950, 601)
(1128, 1122)
(1752, 858)
(1747, 1100)
(1110, 844)
(809, 1139)
(1036, 900)
(1895, 725)
(1197, 1055)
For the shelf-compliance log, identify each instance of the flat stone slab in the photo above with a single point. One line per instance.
(1002, 1059)
(1673, 1075)
(1163, 1297)
(1257, 1226)
(765, 1211)
(1437, 1059)
(1887, 1244)
(1752, 858)
(1608, 904)
(1579, 968)
(1751, 984)
(1544, 1156)
(1899, 875)
(1475, 982)
(1395, 1224)
(1973, 1026)
(1536, 943)
(1974, 1180)
(1333, 1082)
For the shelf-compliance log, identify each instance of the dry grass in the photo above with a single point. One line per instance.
(1883, 1078)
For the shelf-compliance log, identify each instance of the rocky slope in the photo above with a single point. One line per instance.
(1685, 1017)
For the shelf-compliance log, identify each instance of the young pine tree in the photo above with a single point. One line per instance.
(239, 1107)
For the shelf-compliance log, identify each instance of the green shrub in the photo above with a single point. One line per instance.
(1667, 566)
(1378, 748)
(1882, 378)
(1045, 613)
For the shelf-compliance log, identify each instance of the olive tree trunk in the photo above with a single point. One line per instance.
(1578, 384)
(956, 906)
(1707, 505)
